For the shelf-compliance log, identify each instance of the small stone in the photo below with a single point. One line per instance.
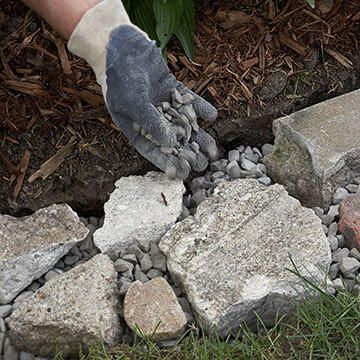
(124, 285)
(199, 183)
(349, 265)
(139, 275)
(234, 155)
(60, 264)
(265, 180)
(10, 353)
(83, 220)
(233, 169)
(2, 328)
(131, 258)
(257, 152)
(338, 284)
(241, 148)
(340, 195)
(5, 310)
(143, 244)
(333, 211)
(355, 253)
(349, 223)
(198, 197)
(158, 258)
(267, 149)
(327, 219)
(318, 211)
(184, 214)
(164, 318)
(217, 175)
(50, 275)
(185, 305)
(154, 273)
(349, 284)
(333, 242)
(187, 98)
(122, 266)
(341, 240)
(71, 259)
(340, 254)
(352, 188)
(252, 157)
(146, 263)
(26, 356)
(333, 228)
(356, 290)
(247, 164)
(219, 165)
(325, 229)
(333, 271)
(259, 170)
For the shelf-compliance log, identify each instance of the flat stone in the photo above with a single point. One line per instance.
(141, 207)
(317, 149)
(154, 273)
(73, 310)
(247, 164)
(30, 246)
(349, 224)
(154, 309)
(231, 257)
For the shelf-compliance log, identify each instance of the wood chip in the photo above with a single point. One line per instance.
(64, 60)
(52, 164)
(343, 60)
(22, 171)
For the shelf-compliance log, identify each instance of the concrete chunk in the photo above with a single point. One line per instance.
(30, 246)
(141, 208)
(317, 149)
(232, 257)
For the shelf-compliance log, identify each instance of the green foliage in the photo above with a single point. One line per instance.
(162, 19)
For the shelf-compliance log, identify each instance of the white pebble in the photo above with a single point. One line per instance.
(234, 155)
(340, 195)
(267, 149)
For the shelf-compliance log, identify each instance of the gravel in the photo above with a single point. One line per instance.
(349, 265)
(340, 195)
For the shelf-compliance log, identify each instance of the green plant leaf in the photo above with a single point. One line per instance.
(142, 15)
(311, 3)
(186, 30)
(168, 14)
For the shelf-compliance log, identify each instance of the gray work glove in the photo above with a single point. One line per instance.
(135, 81)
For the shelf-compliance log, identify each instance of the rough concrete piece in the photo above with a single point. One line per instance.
(32, 245)
(230, 258)
(141, 208)
(154, 309)
(73, 310)
(317, 149)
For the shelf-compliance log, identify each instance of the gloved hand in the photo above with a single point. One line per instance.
(135, 81)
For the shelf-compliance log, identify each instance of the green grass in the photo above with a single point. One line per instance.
(327, 327)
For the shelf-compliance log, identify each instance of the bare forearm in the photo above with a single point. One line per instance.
(62, 15)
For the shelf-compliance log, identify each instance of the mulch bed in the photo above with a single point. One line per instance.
(255, 62)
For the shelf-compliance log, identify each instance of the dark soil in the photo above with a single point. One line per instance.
(273, 60)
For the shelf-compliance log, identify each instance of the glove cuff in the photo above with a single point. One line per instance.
(90, 37)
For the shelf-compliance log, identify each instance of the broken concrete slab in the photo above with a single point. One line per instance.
(317, 149)
(154, 309)
(141, 209)
(73, 310)
(232, 257)
(30, 246)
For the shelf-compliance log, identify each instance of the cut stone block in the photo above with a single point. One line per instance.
(317, 149)
(141, 209)
(30, 246)
(76, 309)
(232, 257)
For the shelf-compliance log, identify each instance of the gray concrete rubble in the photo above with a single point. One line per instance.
(317, 150)
(232, 257)
(30, 246)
